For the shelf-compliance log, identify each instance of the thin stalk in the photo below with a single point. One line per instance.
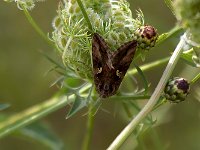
(36, 112)
(195, 78)
(65, 50)
(85, 15)
(168, 35)
(36, 27)
(150, 65)
(128, 112)
(152, 101)
(90, 126)
(127, 97)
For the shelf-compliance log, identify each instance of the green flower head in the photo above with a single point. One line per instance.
(112, 19)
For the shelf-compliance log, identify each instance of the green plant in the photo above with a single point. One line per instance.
(71, 37)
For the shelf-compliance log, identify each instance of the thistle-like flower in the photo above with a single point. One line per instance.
(176, 89)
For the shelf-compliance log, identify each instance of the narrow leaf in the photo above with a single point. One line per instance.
(187, 57)
(78, 104)
(145, 82)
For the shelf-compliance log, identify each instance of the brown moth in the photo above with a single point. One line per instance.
(109, 68)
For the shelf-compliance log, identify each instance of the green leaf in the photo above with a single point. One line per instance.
(4, 106)
(58, 81)
(145, 82)
(42, 133)
(78, 104)
(187, 57)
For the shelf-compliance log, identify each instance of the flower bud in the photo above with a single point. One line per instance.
(176, 89)
(146, 37)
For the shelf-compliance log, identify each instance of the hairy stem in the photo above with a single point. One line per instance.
(152, 101)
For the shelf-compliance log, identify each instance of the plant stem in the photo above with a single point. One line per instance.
(130, 98)
(152, 101)
(169, 34)
(36, 112)
(66, 50)
(195, 78)
(85, 15)
(150, 65)
(36, 27)
(90, 126)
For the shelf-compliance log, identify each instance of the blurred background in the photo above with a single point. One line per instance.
(23, 83)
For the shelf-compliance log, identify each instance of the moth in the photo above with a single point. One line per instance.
(109, 68)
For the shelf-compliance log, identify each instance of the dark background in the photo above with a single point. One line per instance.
(23, 83)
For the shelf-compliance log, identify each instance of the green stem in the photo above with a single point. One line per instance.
(128, 112)
(150, 65)
(195, 78)
(132, 97)
(159, 104)
(36, 112)
(90, 126)
(66, 50)
(168, 35)
(85, 15)
(36, 27)
(121, 138)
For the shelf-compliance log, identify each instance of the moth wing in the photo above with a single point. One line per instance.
(100, 52)
(123, 57)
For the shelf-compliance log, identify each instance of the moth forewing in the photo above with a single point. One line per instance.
(124, 54)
